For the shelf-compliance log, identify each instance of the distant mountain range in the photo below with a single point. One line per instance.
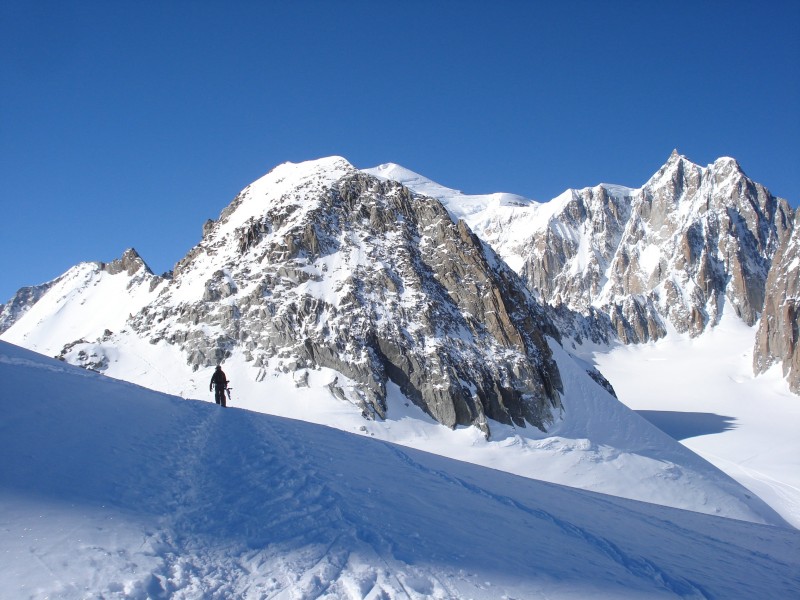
(615, 263)
(604, 263)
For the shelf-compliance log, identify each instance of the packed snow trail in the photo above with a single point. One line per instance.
(108, 490)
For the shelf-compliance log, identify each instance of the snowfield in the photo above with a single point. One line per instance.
(703, 392)
(109, 490)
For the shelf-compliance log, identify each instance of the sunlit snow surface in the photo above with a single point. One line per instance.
(703, 392)
(109, 490)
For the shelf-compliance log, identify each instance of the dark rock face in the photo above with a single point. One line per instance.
(362, 277)
(778, 337)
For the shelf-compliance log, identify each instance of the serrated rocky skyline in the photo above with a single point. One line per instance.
(618, 263)
(384, 276)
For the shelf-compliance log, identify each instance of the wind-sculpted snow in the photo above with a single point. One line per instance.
(110, 490)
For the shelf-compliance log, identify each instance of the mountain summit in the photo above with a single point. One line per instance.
(320, 265)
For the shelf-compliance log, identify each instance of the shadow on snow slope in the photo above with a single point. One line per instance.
(112, 490)
(683, 425)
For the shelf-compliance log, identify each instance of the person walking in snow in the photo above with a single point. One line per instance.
(220, 383)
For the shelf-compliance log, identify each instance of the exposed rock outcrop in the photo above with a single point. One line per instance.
(333, 268)
(21, 302)
(778, 337)
(130, 262)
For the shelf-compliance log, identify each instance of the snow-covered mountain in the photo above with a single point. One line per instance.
(110, 490)
(675, 251)
(331, 295)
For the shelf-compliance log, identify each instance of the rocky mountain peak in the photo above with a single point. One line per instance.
(130, 262)
(320, 266)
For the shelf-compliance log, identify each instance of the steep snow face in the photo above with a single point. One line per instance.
(86, 304)
(111, 490)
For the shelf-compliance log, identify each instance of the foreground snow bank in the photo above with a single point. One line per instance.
(111, 490)
(597, 444)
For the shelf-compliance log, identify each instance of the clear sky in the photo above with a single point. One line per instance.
(129, 123)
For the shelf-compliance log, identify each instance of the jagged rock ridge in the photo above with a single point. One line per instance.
(689, 241)
(625, 263)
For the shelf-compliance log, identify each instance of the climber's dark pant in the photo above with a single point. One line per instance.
(219, 395)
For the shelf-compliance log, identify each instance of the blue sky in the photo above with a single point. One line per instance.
(130, 123)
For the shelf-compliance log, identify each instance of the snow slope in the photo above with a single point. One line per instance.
(79, 300)
(109, 490)
(597, 443)
(703, 392)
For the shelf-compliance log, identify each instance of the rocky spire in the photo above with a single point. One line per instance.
(778, 337)
(130, 262)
